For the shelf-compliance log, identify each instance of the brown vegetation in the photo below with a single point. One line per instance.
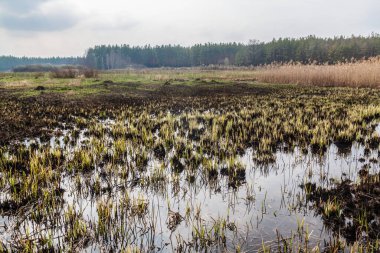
(73, 72)
(64, 73)
(90, 73)
(364, 73)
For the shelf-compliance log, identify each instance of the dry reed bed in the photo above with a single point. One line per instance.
(364, 73)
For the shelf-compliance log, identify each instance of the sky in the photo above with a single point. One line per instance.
(69, 27)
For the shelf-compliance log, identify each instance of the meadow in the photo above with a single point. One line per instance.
(191, 160)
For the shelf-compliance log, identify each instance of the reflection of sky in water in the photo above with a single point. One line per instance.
(275, 189)
(279, 187)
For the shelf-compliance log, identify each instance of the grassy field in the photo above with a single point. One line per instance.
(364, 73)
(187, 160)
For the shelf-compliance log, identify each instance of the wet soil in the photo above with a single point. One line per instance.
(29, 117)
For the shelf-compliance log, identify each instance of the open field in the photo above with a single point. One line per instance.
(187, 161)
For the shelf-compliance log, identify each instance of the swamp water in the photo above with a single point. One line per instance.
(158, 210)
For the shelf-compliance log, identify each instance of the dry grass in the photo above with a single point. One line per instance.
(364, 73)
(18, 84)
(191, 73)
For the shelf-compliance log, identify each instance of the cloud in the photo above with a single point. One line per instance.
(21, 6)
(37, 22)
(68, 27)
(104, 23)
(35, 16)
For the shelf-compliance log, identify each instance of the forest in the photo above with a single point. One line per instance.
(305, 50)
(8, 63)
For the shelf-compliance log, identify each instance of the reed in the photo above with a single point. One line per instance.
(363, 73)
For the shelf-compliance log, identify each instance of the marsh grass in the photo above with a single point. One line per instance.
(363, 73)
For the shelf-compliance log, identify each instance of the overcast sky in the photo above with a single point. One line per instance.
(69, 27)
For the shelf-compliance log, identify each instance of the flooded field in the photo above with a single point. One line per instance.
(208, 167)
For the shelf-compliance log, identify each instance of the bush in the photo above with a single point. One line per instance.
(35, 68)
(67, 71)
(64, 73)
(90, 73)
(38, 75)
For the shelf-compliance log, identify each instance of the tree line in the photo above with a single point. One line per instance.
(304, 50)
(115, 56)
(8, 63)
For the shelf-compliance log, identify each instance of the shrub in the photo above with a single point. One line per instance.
(34, 68)
(90, 73)
(64, 73)
(38, 75)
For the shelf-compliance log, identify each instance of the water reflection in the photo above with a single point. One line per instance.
(165, 209)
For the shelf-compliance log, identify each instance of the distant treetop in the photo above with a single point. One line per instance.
(303, 50)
